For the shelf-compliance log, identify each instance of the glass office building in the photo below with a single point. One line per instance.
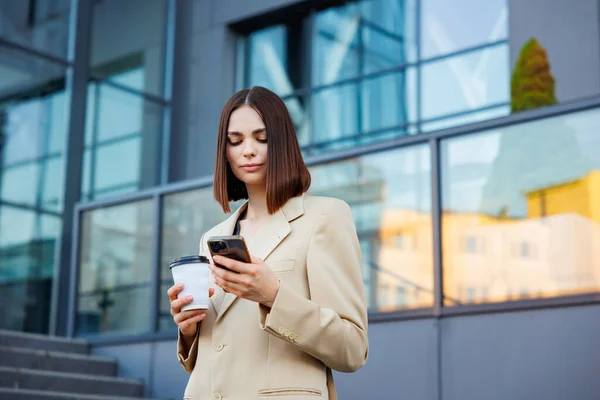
(464, 134)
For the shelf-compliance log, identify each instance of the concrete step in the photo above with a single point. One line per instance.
(18, 378)
(42, 342)
(56, 361)
(25, 394)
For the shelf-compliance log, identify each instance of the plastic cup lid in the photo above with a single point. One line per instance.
(188, 260)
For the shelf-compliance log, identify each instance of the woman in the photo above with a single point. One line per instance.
(277, 326)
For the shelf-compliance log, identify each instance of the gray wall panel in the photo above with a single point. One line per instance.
(169, 378)
(229, 11)
(569, 31)
(548, 354)
(211, 83)
(402, 364)
(134, 360)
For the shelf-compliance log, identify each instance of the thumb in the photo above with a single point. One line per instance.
(211, 291)
(255, 260)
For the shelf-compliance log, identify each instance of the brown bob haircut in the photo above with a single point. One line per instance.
(287, 175)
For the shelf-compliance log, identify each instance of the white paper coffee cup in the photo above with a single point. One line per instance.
(193, 273)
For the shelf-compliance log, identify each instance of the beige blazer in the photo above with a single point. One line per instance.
(318, 321)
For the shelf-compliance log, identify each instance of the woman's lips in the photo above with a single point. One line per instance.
(251, 167)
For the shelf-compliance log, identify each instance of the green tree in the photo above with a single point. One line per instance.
(532, 83)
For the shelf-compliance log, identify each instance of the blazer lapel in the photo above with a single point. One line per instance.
(272, 232)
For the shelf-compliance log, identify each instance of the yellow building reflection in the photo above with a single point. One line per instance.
(554, 250)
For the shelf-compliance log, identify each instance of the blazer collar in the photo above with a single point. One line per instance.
(271, 233)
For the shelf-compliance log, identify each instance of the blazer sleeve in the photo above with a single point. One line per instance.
(331, 325)
(187, 358)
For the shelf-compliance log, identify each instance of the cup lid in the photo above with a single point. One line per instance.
(188, 260)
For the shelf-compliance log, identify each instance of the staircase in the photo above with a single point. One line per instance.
(44, 367)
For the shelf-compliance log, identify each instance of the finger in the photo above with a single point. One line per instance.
(177, 304)
(233, 288)
(225, 275)
(256, 260)
(233, 265)
(185, 315)
(191, 321)
(174, 291)
(211, 291)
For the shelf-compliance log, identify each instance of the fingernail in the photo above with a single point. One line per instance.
(180, 285)
(189, 298)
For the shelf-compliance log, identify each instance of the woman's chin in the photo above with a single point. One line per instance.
(254, 181)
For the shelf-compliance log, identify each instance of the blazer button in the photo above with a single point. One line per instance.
(281, 330)
(217, 396)
(219, 346)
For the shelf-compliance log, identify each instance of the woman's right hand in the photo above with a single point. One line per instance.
(187, 321)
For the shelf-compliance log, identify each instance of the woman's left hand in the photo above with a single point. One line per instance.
(254, 281)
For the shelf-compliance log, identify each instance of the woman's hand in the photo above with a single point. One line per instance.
(254, 281)
(187, 321)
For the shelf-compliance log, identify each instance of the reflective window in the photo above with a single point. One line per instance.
(361, 38)
(388, 33)
(390, 197)
(268, 63)
(336, 52)
(336, 112)
(521, 211)
(127, 36)
(389, 101)
(298, 107)
(368, 81)
(32, 129)
(465, 83)
(444, 28)
(115, 264)
(186, 216)
(27, 244)
(24, 76)
(42, 24)
(122, 142)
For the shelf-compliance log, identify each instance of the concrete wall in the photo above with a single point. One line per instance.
(569, 31)
(548, 354)
(545, 354)
(154, 363)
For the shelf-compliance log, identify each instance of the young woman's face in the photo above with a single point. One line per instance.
(246, 149)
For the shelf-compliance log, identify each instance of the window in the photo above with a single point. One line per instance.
(471, 244)
(129, 35)
(33, 128)
(388, 192)
(490, 186)
(364, 76)
(122, 139)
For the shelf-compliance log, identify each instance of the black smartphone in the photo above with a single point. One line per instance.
(233, 247)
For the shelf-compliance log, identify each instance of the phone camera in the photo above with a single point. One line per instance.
(218, 246)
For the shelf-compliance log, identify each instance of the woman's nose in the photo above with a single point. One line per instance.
(249, 150)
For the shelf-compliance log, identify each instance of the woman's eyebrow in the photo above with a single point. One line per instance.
(254, 132)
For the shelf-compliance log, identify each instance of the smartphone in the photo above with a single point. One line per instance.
(233, 247)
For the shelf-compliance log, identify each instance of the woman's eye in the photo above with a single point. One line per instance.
(234, 143)
(262, 140)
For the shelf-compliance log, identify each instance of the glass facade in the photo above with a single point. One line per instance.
(381, 69)
(34, 115)
(381, 93)
(123, 148)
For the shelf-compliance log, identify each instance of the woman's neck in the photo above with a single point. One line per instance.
(257, 203)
